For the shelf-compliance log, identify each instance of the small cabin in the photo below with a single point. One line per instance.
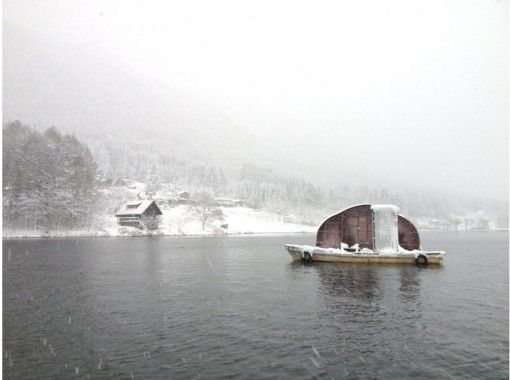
(143, 214)
(183, 197)
(228, 202)
(376, 227)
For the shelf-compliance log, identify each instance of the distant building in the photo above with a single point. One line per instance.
(183, 197)
(228, 202)
(143, 214)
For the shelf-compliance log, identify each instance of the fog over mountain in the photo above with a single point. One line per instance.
(63, 85)
(378, 93)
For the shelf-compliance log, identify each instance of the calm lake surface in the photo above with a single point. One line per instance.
(236, 307)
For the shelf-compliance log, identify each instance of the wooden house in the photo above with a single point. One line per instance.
(143, 214)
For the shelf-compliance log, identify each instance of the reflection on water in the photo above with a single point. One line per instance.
(351, 281)
(237, 307)
(362, 281)
(409, 282)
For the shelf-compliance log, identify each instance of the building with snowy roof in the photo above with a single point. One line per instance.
(143, 214)
(228, 202)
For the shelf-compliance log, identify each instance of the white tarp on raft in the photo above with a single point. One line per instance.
(385, 228)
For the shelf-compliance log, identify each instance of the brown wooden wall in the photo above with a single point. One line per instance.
(354, 225)
(408, 237)
(351, 226)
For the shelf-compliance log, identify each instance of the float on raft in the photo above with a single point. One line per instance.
(367, 234)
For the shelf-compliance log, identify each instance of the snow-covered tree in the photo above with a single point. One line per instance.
(204, 209)
(49, 179)
(153, 183)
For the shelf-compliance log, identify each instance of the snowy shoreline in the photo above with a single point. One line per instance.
(105, 236)
(176, 221)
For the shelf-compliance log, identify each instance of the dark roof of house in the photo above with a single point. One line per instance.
(137, 208)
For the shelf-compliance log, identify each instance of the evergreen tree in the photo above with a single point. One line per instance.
(49, 179)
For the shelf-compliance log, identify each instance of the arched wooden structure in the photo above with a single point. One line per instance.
(354, 225)
(408, 237)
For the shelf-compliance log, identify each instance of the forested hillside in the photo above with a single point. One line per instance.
(52, 181)
(121, 158)
(49, 180)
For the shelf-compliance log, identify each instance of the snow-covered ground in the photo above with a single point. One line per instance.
(240, 220)
(178, 221)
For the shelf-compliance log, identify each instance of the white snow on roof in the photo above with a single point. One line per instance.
(134, 208)
(385, 207)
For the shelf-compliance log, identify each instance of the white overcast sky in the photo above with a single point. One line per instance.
(412, 91)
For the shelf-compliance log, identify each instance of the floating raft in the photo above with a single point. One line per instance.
(367, 234)
(311, 253)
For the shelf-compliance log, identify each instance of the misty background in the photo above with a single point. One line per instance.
(316, 104)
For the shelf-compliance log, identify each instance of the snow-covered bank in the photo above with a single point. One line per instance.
(9, 233)
(177, 221)
(240, 220)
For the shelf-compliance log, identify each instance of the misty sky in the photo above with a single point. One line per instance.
(411, 92)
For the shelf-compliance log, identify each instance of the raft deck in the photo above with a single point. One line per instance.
(311, 253)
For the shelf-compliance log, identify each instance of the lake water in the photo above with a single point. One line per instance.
(236, 307)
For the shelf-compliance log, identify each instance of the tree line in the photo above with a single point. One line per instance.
(52, 181)
(121, 157)
(49, 179)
